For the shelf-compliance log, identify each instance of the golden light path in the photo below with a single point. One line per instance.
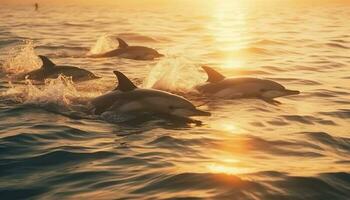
(226, 166)
(228, 29)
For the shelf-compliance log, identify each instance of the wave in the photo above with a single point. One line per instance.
(283, 148)
(340, 41)
(307, 119)
(267, 42)
(297, 81)
(336, 143)
(307, 68)
(340, 113)
(274, 68)
(56, 159)
(249, 51)
(182, 144)
(52, 164)
(223, 186)
(75, 24)
(61, 47)
(22, 193)
(6, 42)
(331, 44)
(329, 93)
(55, 132)
(252, 72)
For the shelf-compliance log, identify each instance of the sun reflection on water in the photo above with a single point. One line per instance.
(227, 126)
(215, 168)
(229, 28)
(227, 165)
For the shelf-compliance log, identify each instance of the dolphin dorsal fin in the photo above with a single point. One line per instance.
(122, 44)
(124, 84)
(47, 63)
(213, 76)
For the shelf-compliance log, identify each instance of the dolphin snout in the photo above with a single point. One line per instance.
(292, 92)
(201, 113)
(270, 94)
(189, 112)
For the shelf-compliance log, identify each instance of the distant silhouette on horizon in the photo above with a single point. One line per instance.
(36, 5)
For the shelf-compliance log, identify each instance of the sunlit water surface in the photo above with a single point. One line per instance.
(247, 149)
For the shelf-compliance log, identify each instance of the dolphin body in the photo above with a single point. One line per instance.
(219, 86)
(129, 99)
(131, 52)
(50, 70)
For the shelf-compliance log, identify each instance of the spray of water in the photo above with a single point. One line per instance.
(174, 74)
(60, 91)
(103, 44)
(20, 59)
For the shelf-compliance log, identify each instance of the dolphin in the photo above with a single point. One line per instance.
(50, 70)
(129, 99)
(130, 52)
(219, 86)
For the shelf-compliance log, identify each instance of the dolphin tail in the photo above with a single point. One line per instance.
(124, 83)
(122, 44)
(213, 76)
(47, 63)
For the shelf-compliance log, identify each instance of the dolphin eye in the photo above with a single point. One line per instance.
(173, 107)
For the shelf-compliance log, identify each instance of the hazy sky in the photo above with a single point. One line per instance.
(146, 1)
(157, 2)
(86, 1)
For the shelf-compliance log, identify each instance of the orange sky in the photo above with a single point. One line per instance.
(169, 2)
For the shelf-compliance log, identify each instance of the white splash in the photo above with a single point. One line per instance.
(60, 91)
(174, 74)
(103, 44)
(21, 58)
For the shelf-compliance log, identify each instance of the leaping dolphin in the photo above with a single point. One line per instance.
(129, 99)
(219, 86)
(130, 52)
(51, 70)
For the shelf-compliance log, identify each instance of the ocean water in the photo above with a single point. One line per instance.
(248, 149)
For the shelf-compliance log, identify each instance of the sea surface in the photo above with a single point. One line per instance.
(246, 150)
